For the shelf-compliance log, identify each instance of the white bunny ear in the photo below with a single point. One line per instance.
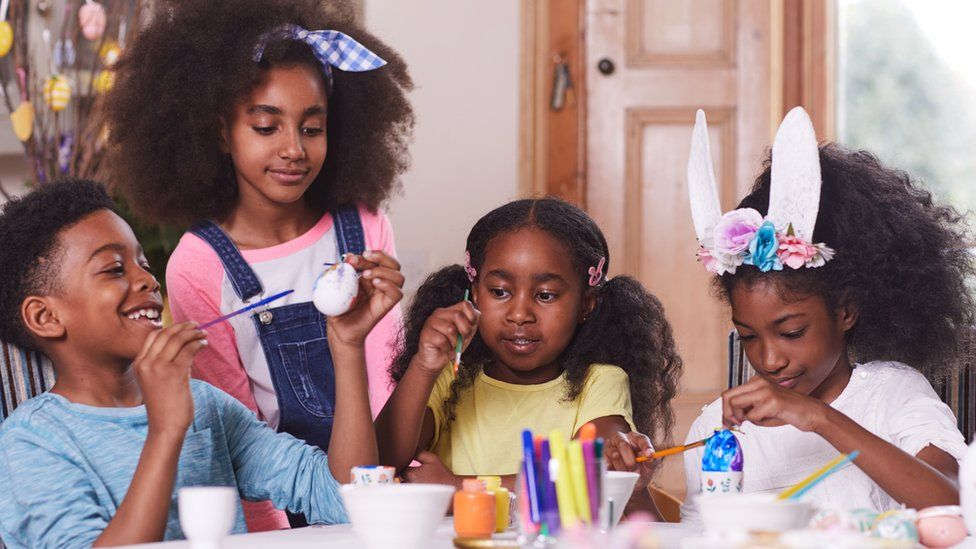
(794, 194)
(705, 207)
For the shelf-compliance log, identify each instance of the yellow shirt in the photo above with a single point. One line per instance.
(485, 437)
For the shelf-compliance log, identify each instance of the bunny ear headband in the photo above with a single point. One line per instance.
(743, 236)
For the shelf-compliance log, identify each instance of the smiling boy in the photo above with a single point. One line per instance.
(98, 459)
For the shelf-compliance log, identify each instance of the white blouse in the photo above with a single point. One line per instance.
(892, 400)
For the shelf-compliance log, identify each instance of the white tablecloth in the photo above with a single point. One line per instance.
(342, 537)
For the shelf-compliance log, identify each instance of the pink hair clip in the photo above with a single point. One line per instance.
(472, 272)
(596, 273)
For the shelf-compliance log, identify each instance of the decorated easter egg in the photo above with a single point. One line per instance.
(941, 526)
(336, 289)
(57, 92)
(104, 81)
(6, 38)
(92, 19)
(64, 53)
(863, 519)
(836, 520)
(110, 53)
(22, 120)
(896, 525)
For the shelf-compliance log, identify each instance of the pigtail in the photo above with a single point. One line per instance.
(441, 289)
(628, 328)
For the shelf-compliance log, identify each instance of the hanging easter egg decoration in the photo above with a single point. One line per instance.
(6, 31)
(22, 118)
(104, 81)
(6, 38)
(110, 54)
(57, 92)
(44, 7)
(336, 289)
(92, 19)
(64, 53)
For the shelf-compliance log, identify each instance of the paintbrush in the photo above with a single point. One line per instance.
(460, 342)
(251, 307)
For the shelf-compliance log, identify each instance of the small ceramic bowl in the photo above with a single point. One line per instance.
(396, 515)
(753, 513)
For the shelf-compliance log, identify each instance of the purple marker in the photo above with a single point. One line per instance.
(547, 489)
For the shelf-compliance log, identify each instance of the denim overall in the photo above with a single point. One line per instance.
(293, 336)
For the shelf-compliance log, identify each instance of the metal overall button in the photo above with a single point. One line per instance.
(265, 317)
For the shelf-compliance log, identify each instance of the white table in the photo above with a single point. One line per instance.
(342, 537)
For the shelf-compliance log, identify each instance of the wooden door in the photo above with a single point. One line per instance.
(668, 59)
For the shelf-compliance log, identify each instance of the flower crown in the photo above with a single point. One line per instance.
(743, 236)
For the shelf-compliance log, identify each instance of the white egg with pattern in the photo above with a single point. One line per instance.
(336, 289)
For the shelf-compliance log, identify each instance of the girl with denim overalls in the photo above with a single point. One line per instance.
(277, 135)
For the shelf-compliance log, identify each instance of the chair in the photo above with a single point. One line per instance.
(23, 375)
(957, 389)
(668, 505)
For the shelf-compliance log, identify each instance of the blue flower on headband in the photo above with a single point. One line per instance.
(763, 248)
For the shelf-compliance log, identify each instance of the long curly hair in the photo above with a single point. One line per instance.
(902, 261)
(189, 66)
(627, 327)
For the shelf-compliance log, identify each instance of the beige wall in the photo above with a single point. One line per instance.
(464, 58)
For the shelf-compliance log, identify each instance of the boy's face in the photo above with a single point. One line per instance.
(105, 301)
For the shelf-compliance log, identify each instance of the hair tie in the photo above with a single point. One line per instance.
(596, 273)
(472, 272)
(331, 48)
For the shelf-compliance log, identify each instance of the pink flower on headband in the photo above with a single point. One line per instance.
(735, 230)
(472, 272)
(717, 263)
(596, 273)
(794, 252)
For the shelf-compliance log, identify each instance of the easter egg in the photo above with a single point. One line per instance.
(104, 81)
(6, 38)
(110, 53)
(895, 525)
(92, 19)
(22, 120)
(941, 526)
(336, 289)
(57, 92)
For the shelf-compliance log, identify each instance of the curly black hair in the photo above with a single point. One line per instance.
(29, 249)
(192, 63)
(902, 261)
(627, 327)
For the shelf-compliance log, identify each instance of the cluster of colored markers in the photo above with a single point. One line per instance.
(560, 485)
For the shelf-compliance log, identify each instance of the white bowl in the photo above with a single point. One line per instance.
(618, 485)
(396, 515)
(753, 512)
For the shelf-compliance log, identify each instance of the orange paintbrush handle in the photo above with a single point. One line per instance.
(671, 451)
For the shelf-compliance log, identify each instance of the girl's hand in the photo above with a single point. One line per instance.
(380, 289)
(431, 471)
(622, 450)
(162, 369)
(764, 403)
(438, 338)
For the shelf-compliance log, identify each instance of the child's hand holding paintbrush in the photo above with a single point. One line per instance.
(446, 332)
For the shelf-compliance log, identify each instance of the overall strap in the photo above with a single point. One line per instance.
(242, 278)
(349, 231)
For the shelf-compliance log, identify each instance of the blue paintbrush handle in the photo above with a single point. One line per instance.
(250, 307)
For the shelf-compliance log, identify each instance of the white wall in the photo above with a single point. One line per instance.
(464, 58)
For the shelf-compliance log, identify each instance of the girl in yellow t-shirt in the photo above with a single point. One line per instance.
(551, 343)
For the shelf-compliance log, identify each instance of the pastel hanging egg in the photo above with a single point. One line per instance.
(64, 53)
(57, 92)
(110, 53)
(104, 81)
(336, 289)
(22, 120)
(92, 19)
(6, 38)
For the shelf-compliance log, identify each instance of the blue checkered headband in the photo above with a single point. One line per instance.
(331, 48)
